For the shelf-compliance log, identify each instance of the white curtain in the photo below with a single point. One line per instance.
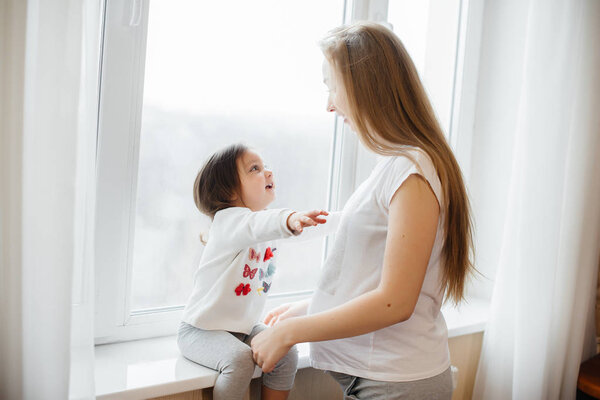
(547, 101)
(52, 233)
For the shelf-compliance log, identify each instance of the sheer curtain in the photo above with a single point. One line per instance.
(542, 113)
(51, 206)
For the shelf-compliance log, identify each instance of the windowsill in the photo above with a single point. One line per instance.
(470, 317)
(153, 367)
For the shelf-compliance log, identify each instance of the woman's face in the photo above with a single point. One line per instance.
(337, 101)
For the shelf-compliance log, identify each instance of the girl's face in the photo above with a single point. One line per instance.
(337, 101)
(257, 185)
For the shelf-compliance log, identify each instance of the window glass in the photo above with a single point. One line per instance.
(218, 73)
(429, 31)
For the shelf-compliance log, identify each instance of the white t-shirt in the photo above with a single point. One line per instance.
(236, 269)
(414, 349)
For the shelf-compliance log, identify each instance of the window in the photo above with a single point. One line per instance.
(255, 78)
(181, 79)
(429, 31)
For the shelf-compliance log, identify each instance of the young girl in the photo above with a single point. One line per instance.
(231, 285)
(403, 241)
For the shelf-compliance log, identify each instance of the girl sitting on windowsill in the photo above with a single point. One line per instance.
(236, 270)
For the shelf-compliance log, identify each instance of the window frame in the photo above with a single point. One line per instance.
(121, 98)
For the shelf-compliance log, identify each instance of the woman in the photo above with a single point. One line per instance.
(404, 239)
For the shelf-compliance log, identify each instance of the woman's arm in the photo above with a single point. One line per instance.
(287, 310)
(413, 220)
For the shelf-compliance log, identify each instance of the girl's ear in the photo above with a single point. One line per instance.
(236, 199)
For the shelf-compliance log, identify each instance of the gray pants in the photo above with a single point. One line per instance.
(437, 387)
(230, 354)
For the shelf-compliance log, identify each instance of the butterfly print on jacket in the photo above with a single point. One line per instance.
(249, 273)
(254, 255)
(242, 289)
(268, 254)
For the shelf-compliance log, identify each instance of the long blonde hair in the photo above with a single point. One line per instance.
(390, 110)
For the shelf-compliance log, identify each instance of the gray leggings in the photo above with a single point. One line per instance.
(437, 387)
(230, 354)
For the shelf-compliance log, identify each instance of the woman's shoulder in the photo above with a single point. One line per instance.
(413, 160)
(407, 158)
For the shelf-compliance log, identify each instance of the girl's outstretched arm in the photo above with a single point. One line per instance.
(320, 231)
(413, 221)
(239, 227)
(297, 221)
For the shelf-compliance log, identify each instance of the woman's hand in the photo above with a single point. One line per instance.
(285, 311)
(269, 346)
(297, 221)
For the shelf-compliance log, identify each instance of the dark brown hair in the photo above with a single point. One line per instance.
(390, 110)
(218, 182)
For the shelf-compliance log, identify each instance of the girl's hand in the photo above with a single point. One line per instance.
(285, 311)
(268, 347)
(299, 220)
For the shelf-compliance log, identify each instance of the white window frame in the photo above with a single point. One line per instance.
(121, 97)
